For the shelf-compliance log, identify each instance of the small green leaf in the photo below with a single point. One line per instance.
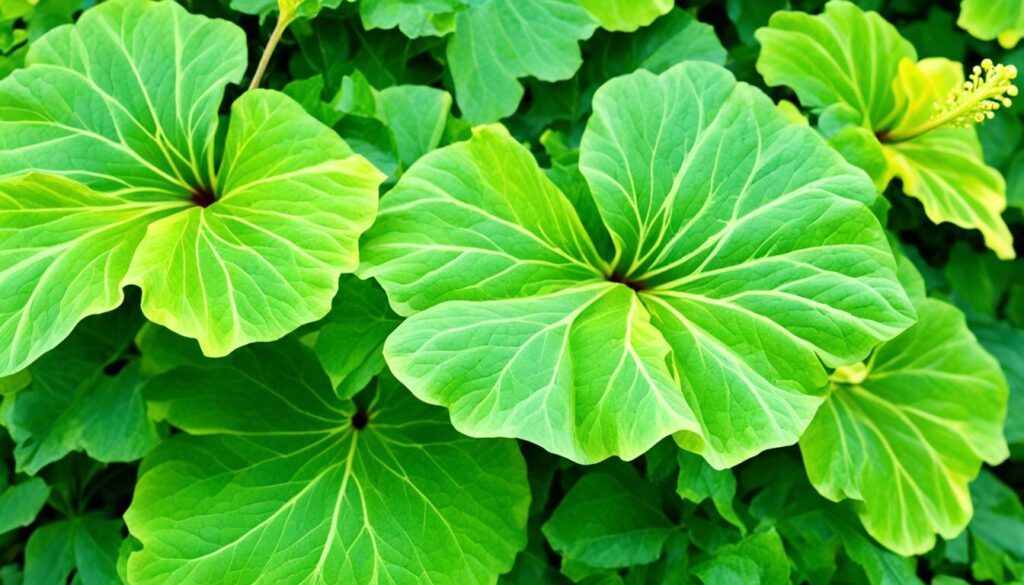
(609, 520)
(72, 404)
(699, 481)
(758, 559)
(626, 15)
(945, 170)
(20, 503)
(997, 527)
(497, 42)
(87, 545)
(350, 342)
(415, 18)
(906, 434)
(276, 479)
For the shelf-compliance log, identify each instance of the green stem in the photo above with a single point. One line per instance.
(284, 18)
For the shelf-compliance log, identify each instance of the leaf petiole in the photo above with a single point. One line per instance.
(287, 11)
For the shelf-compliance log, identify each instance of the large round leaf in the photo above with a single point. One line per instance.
(744, 256)
(906, 433)
(229, 251)
(280, 481)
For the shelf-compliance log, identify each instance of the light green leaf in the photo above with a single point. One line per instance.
(127, 122)
(944, 169)
(748, 317)
(415, 18)
(73, 404)
(626, 15)
(845, 55)
(907, 432)
(280, 481)
(609, 520)
(20, 503)
(125, 102)
(571, 371)
(351, 341)
(699, 481)
(416, 116)
(856, 59)
(499, 41)
(481, 207)
(86, 545)
(549, 344)
(64, 250)
(266, 256)
(993, 19)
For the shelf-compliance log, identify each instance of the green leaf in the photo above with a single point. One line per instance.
(279, 480)
(86, 546)
(907, 432)
(845, 55)
(415, 18)
(351, 341)
(757, 559)
(626, 15)
(819, 535)
(672, 39)
(825, 60)
(699, 481)
(416, 116)
(945, 170)
(499, 41)
(997, 527)
(609, 520)
(293, 201)
(73, 404)
(20, 503)
(993, 19)
(100, 104)
(1004, 342)
(65, 250)
(544, 341)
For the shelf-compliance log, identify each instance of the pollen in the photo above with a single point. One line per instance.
(988, 88)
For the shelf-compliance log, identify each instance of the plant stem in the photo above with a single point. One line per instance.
(285, 17)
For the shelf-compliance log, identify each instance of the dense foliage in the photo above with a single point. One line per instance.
(511, 291)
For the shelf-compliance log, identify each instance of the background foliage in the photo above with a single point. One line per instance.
(249, 411)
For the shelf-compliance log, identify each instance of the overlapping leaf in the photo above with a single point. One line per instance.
(522, 330)
(905, 433)
(279, 480)
(855, 59)
(125, 103)
(76, 402)
(499, 41)
(993, 19)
